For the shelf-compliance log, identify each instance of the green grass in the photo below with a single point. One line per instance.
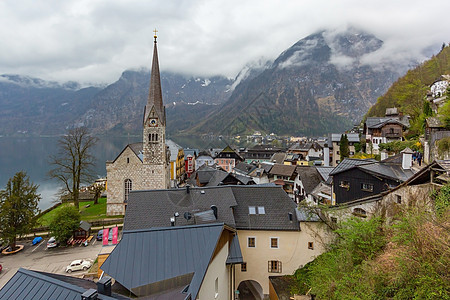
(93, 212)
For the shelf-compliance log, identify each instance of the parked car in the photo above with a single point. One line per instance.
(100, 235)
(78, 265)
(52, 243)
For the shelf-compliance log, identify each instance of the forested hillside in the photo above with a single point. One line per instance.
(408, 92)
(407, 258)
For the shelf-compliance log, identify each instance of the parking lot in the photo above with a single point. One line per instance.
(53, 260)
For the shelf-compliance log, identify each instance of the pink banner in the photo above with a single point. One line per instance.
(105, 236)
(115, 234)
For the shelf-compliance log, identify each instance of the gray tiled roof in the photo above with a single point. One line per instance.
(154, 208)
(27, 284)
(309, 177)
(276, 203)
(392, 171)
(245, 168)
(324, 172)
(284, 170)
(235, 255)
(278, 158)
(146, 257)
(349, 163)
(352, 137)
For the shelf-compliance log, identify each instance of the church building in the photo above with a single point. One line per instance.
(142, 166)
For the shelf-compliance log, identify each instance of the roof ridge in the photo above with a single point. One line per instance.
(153, 229)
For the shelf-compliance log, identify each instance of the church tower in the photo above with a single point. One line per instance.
(154, 135)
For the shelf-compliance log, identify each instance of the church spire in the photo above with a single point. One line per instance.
(155, 95)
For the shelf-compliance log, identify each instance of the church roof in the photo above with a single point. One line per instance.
(155, 94)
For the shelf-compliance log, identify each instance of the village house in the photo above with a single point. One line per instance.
(203, 158)
(384, 129)
(416, 191)
(144, 165)
(227, 159)
(177, 161)
(190, 156)
(359, 178)
(271, 235)
(215, 176)
(334, 141)
(284, 175)
(260, 153)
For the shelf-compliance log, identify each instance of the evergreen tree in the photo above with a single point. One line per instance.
(18, 208)
(343, 147)
(65, 221)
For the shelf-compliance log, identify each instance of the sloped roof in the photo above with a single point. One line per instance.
(352, 137)
(434, 122)
(309, 177)
(385, 122)
(245, 168)
(392, 171)
(135, 147)
(324, 172)
(235, 255)
(278, 157)
(154, 208)
(85, 225)
(145, 257)
(28, 284)
(267, 166)
(173, 148)
(284, 170)
(349, 163)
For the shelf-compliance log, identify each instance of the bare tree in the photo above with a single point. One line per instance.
(73, 164)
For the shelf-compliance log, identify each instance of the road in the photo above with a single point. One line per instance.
(54, 260)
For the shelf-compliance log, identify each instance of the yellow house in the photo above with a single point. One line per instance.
(177, 162)
(274, 237)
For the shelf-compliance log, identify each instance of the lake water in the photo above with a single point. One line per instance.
(32, 156)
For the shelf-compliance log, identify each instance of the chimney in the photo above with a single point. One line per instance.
(407, 158)
(384, 154)
(188, 188)
(326, 155)
(214, 209)
(90, 294)
(172, 221)
(104, 286)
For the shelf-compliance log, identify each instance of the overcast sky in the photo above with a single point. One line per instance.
(95, 41)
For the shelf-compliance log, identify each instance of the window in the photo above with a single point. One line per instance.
(274, 266)
(128, 160)
(368, 187)
(311, 245)
(344, 184)
(334, 220)
(359, 212)
(244, 267)
(252, 210)
(251, 242)
(398, 199)
(261, 210)
(128, 186)
(216, 288)
(273, 242)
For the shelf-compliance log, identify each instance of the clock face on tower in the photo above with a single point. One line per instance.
(153, 123)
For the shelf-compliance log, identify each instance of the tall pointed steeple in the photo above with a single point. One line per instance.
(155, 100)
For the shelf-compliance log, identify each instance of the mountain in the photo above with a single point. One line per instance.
(409, 91)
(32, 106)
(317, 86)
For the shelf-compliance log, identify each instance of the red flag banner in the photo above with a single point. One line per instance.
(105, 236)
(115, 234)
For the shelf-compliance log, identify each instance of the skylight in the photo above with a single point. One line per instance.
(252, 210)
(261, 210)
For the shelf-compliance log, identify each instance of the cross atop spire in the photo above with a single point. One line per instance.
(155, 31)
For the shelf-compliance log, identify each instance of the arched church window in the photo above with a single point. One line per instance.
(156, 137)
(128, 186)
(149, 137)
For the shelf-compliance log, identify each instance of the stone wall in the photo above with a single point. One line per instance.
(143, 177)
